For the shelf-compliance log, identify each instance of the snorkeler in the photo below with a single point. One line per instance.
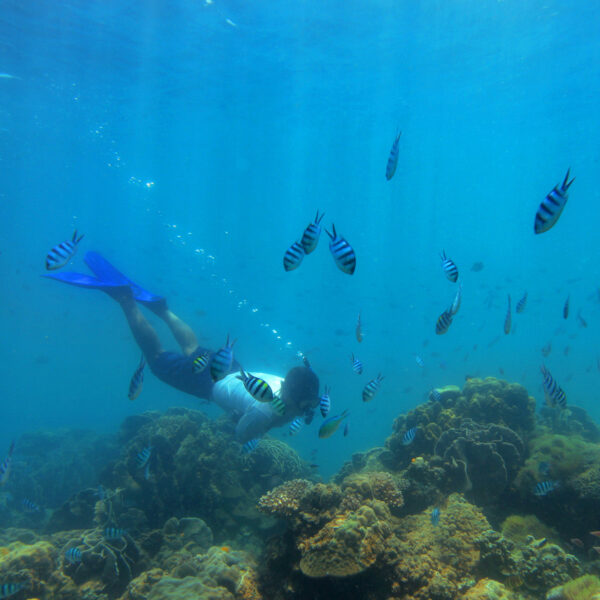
(299, 390)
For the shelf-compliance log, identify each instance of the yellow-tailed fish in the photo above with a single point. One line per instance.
(331, 425)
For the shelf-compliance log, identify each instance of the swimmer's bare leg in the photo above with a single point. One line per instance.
(145, 335)
(181, 331)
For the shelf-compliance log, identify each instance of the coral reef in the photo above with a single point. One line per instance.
(583, 588)
(491, 456)
(534, 566)
(518, 528)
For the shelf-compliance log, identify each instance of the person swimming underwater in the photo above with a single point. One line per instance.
(299, 390)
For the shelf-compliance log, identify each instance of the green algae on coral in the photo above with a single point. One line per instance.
(519, 527)
(583, 588)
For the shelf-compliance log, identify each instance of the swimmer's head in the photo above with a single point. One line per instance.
(301, 387)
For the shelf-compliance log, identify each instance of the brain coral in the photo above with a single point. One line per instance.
(348, 544)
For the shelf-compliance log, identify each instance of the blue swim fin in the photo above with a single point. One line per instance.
(107, 272)
(109, 280)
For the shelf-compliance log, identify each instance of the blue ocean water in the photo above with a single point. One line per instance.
(192, 142)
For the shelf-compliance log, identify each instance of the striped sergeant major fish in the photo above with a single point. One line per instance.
(409, 436)
(29, 506)
(545, 487)
(508, 318)
(293, 256)
(521, 304)
(342, 252)
(73, 555)
(62, 253)
(137, 381)
(222, 361)
(257, 387)
(330, 426)
(201, 362)
(114, 533)
(449, 267)
(392, 161)
(295, 425)
(5, 465)
(552, 206)
(357, 365)
(325, 402)
(310, 237)
(10, 589)
(143, 457)
(566, 308)
(444, 321)
(371, 388)
(278, 405)
(250, 445)
(554, 393)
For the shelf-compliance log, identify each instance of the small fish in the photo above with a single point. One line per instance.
(409, 436)
(73, 555)
(419, 360)
(221, 361)
(257, 387)
(449, 267)
(577, 542)
(435, 516)
(545, 487)
(250, 445)
(508, 318)
(443, 323)
(278, 405)
(581, 320)
(371, 388)
(544, 468)
(29, 506)
(342, 252)
(346, 429)
(329, 426)
(201, 362)
(392, 161)
(566, 308)
(5, 465)
(310, 237)
(457, 300)
(477, 266)
(358, 331)
(357, 366)
(552, 206)
(295, 425)
(554, 393)
(435, 395)
(325, 402)
(62, 253)
(114, 533)
(10, 589)
(137, 381)
(293, 256)
(521, 304)
(547, 349)
(143, 457)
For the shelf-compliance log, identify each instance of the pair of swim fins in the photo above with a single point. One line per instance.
(107, 278)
